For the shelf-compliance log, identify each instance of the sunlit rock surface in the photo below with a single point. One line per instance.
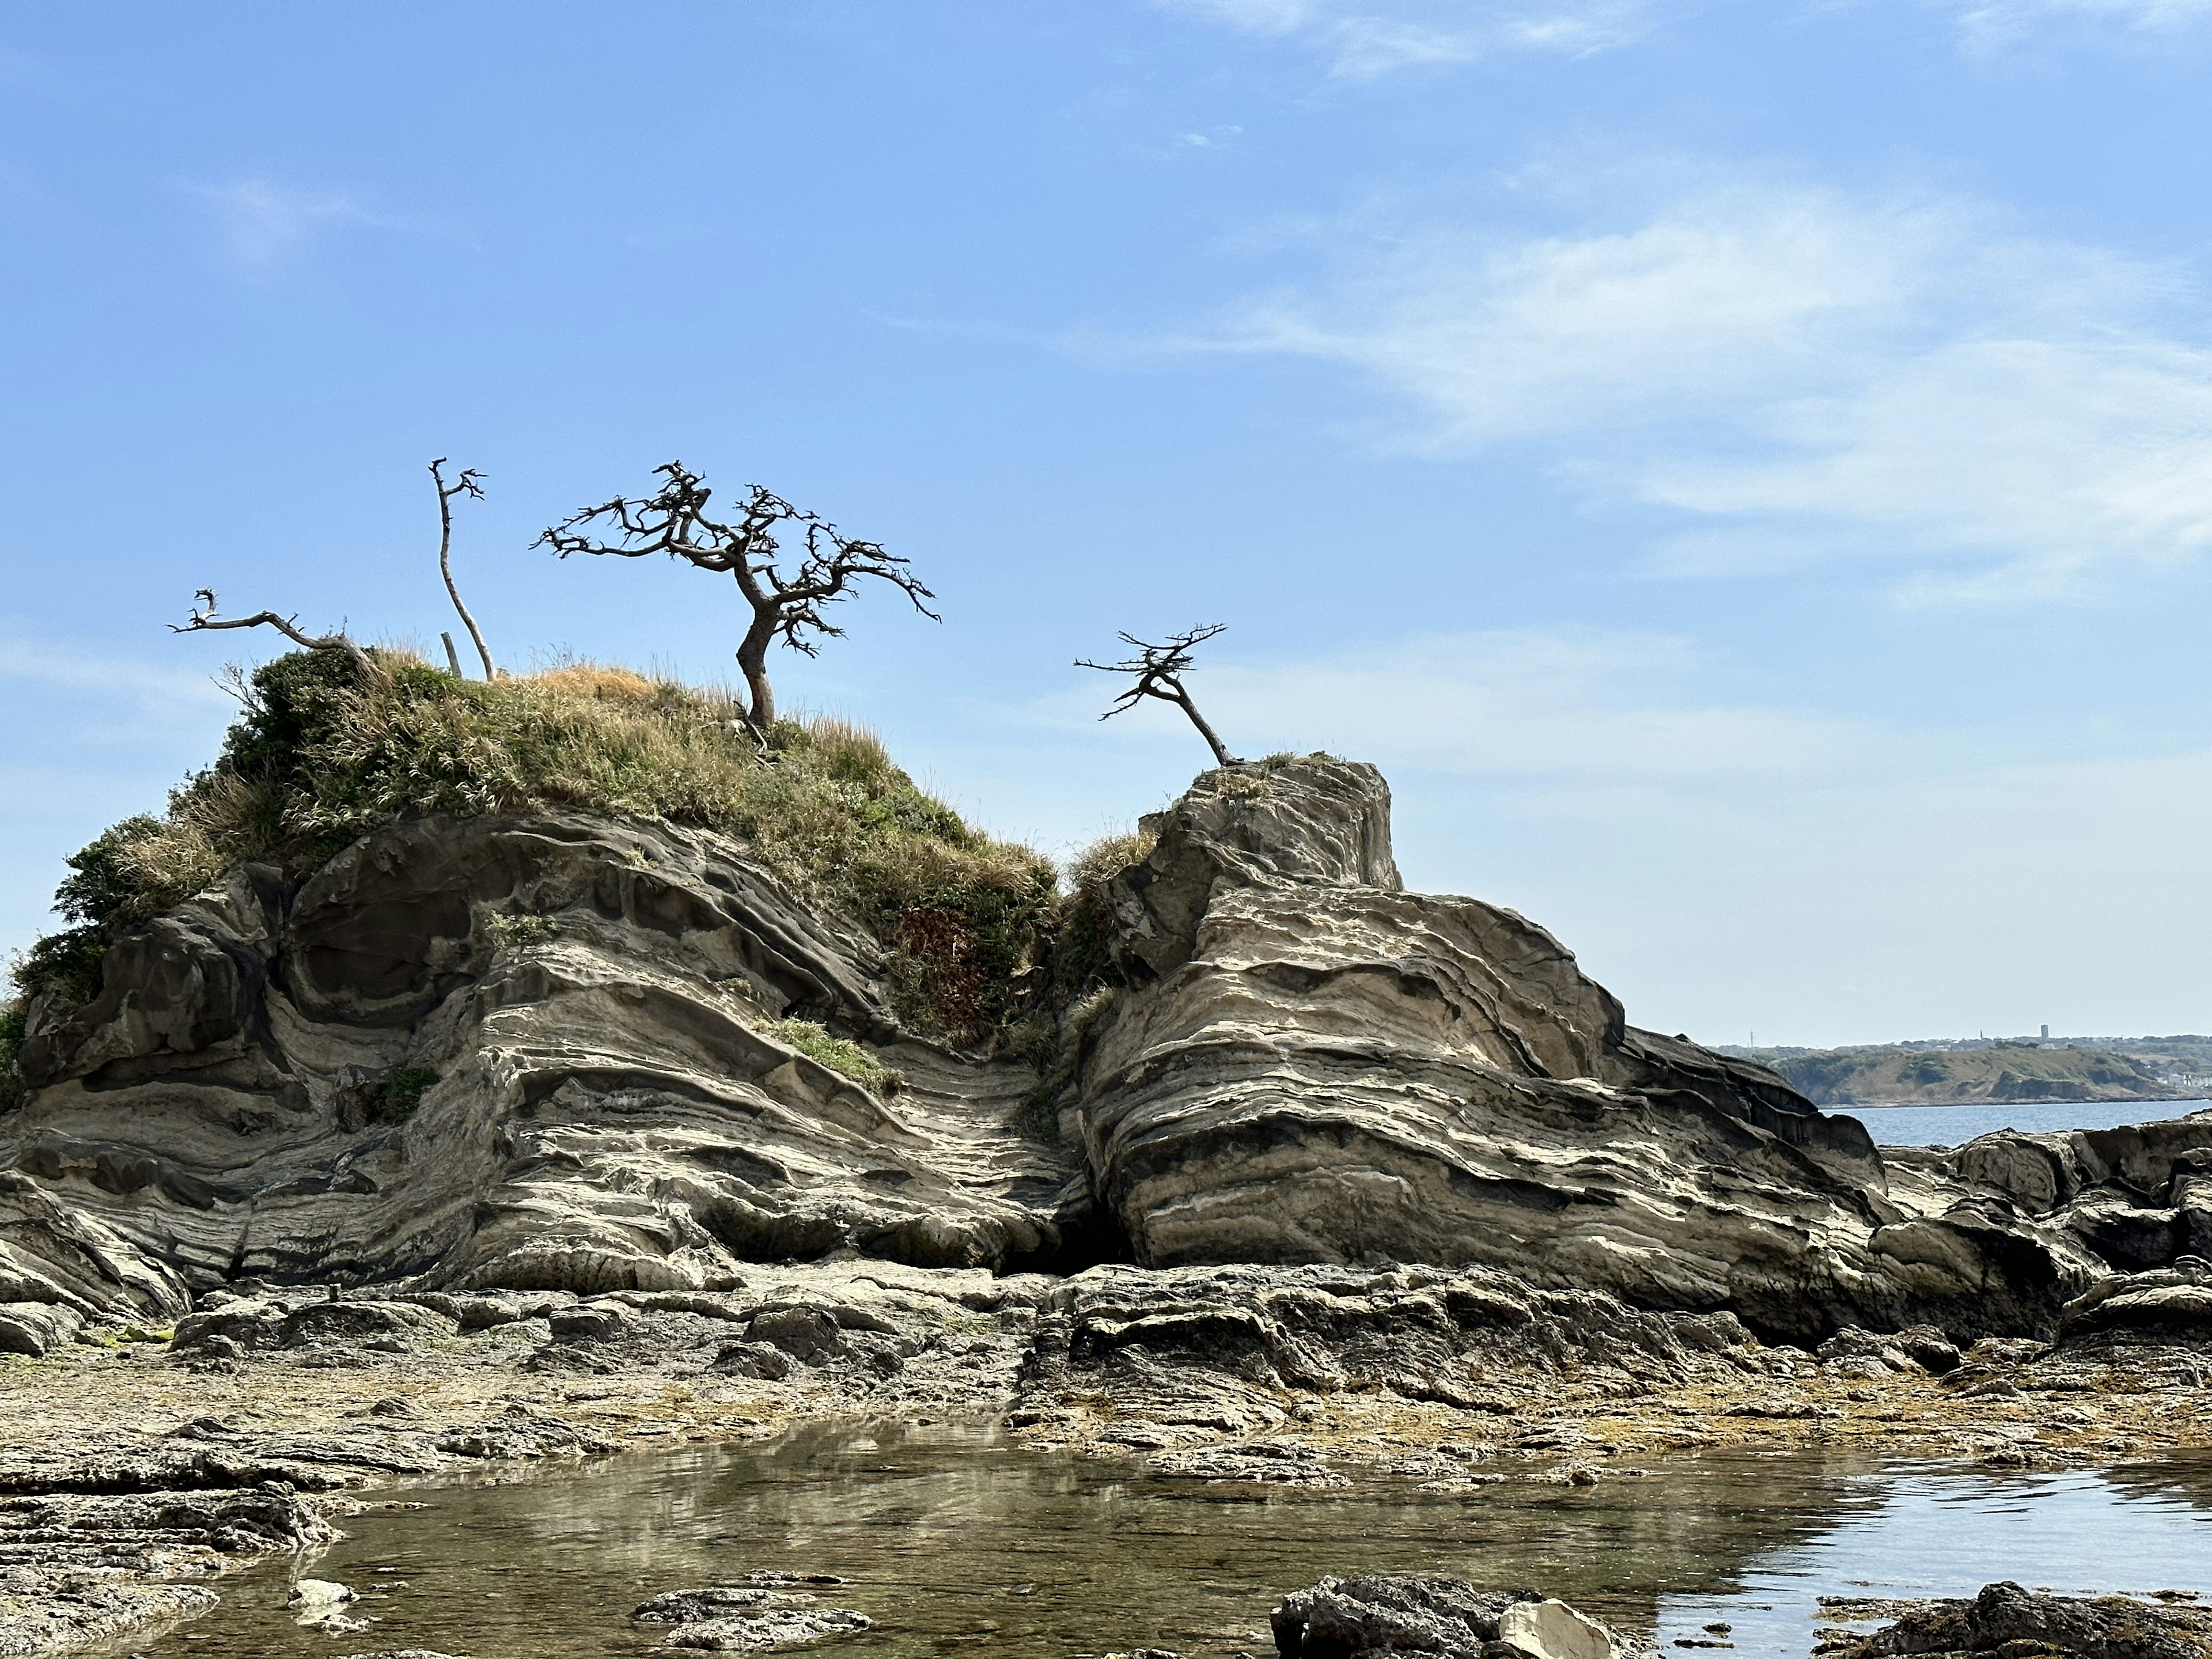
(542, 1052)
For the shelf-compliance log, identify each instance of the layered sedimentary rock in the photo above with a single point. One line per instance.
(548, 1052)
(1316, 1066)
(529, 1052)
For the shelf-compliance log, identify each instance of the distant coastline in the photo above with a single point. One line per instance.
(1997, 1072)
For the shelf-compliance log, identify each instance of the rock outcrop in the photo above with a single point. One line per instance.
(554, 1052)
(531, 1052)
(1314, 1065)
(2006, 1619)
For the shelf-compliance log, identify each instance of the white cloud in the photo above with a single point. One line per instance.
(1804, 372)
(265, 225)
(1988, 24)
(1365, 42)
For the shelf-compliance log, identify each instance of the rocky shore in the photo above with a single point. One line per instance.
(500, 1139)
(137, 1471)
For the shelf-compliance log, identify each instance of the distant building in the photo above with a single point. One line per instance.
(2046, 1034)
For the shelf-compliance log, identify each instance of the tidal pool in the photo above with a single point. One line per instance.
(955, 1544)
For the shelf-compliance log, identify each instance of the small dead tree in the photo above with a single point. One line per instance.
(675, 520)
(1158, 670)
(203, 619)
(468, 484)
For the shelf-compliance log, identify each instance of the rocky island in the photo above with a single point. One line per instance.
(452, 1043)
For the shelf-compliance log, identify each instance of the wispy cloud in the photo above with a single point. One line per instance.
(1902, 376)
(1366, 42)
(266, 226)
(1996, 25)
(92, 679)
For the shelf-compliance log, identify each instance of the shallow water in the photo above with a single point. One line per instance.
(1954, 1126)
(955, 1545)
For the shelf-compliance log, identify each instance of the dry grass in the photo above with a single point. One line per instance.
(325, 755)
(1107, 857)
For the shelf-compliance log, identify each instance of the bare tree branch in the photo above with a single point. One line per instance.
(743, 545)
(1158, 672)
(468, 484)
(204, 620)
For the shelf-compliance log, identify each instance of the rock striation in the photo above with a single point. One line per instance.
(1313, 1065)
(555, 1053)
(527, 1052)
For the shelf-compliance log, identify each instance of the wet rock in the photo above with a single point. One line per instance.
(1197, 1352)
(318, 1604)
(2006, 1619)
(1381, 1616)
(742, 1617)
(45, 1610)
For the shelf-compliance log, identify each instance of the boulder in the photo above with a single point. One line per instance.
(2006, 1619)
(1552, 1630)
(37, 1328)
(1380, 1616)
(748, 1617)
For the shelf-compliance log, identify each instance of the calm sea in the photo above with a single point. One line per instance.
(1954, 1126)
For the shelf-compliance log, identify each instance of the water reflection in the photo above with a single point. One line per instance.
(955, 1545)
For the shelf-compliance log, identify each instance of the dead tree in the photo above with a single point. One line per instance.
(204, 620)
(1159, 670)
(676, 522)
(465, 484)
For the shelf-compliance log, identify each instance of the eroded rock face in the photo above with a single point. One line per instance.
(539, 1054)
(526, 1053)
(1316, 1066)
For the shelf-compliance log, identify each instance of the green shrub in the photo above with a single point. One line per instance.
(401, 1093)
(11, 1044)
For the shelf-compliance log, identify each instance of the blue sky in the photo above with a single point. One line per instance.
(1744, 471)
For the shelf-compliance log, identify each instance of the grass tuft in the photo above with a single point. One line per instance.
(848, 1059)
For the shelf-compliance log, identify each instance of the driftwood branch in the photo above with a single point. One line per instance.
(785, 592)
(467, 484)
(1158, 671)
(203, 619)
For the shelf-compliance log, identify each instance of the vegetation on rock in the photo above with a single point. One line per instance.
(846, 1059)
(11, 1040)
(327, 752)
